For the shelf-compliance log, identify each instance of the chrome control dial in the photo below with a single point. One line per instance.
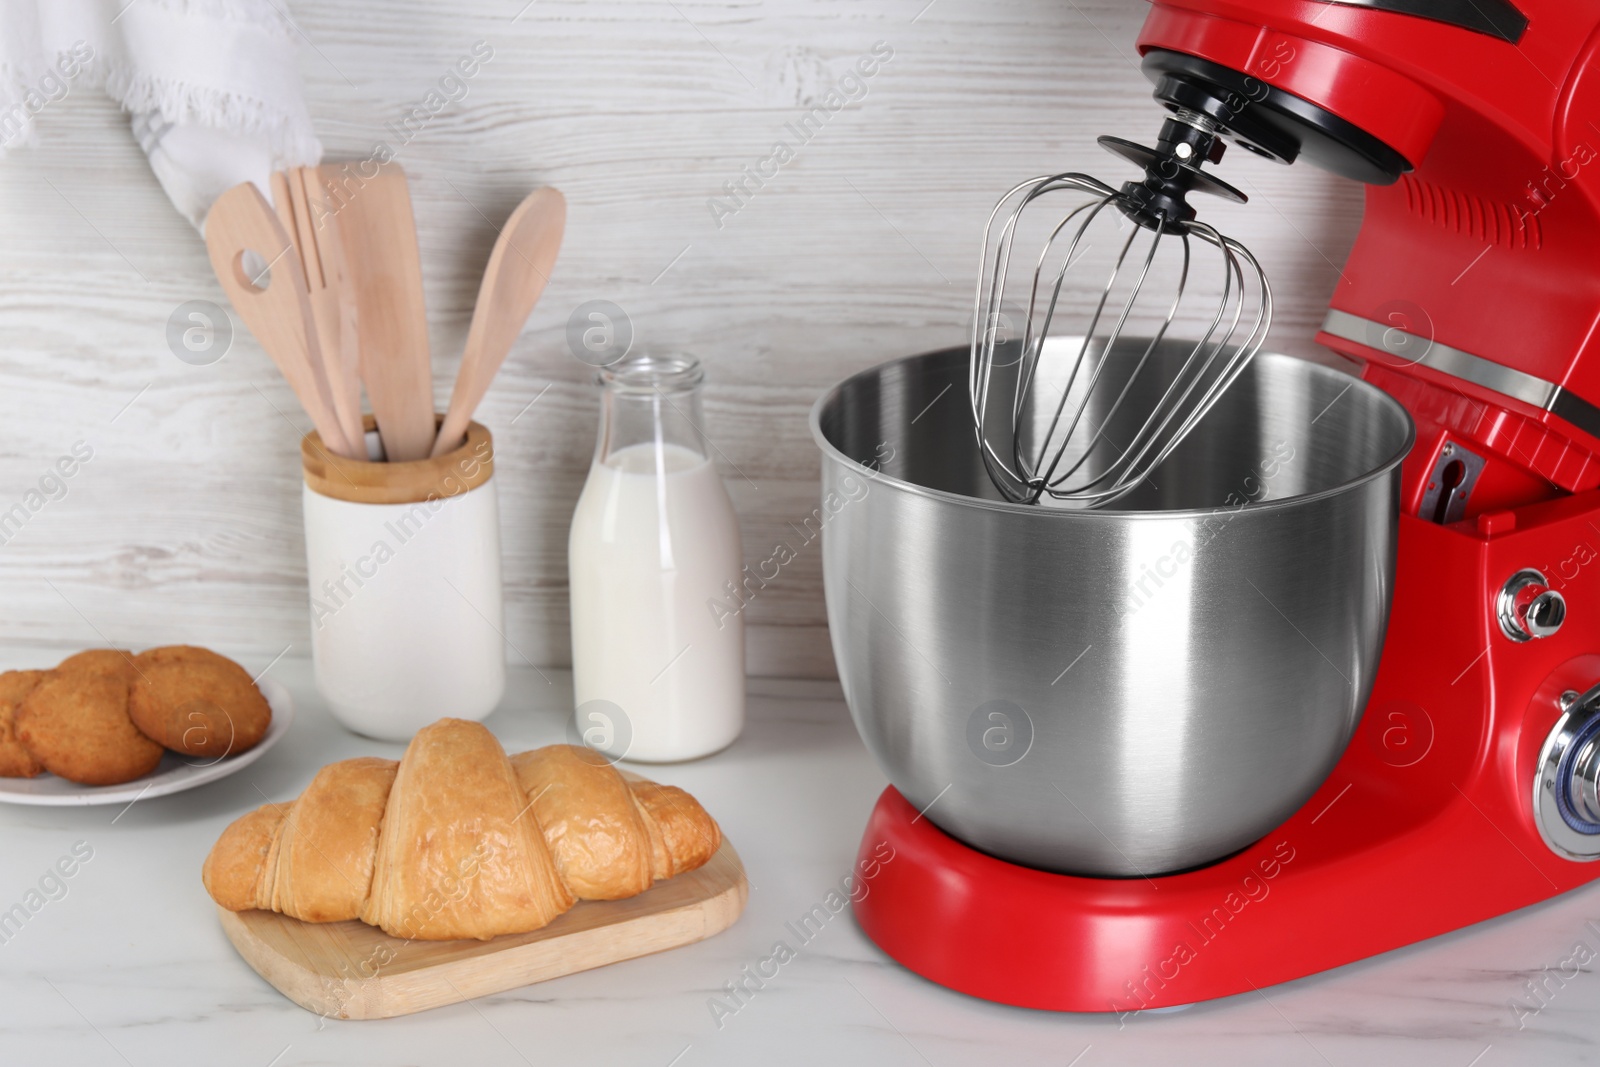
(1566, 786)
(1528, 608)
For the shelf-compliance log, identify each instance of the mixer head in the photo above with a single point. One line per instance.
(1057, 421)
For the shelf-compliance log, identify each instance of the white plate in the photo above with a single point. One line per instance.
(173, 774)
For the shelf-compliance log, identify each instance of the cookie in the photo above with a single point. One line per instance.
(14, 759)
(101, 661)
(76, 724)
(196, 702)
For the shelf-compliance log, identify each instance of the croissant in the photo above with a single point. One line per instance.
(457, 840)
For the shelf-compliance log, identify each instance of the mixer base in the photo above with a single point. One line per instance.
(1425, 825)
(1316, 893)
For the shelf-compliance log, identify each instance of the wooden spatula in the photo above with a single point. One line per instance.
(519, 266)
(278, 312)
(378, 235)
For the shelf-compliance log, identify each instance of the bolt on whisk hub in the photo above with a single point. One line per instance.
(1079, 409)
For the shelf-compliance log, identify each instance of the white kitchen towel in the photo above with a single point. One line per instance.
(211, 85)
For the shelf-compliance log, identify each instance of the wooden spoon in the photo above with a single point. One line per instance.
(279, 313)
(378, 235)
(519, 266)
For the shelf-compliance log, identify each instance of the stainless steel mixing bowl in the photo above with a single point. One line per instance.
(1123, 692)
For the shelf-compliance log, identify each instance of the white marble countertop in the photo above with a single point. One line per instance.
(130, 967)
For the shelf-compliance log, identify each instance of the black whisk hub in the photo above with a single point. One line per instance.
(1172, 171)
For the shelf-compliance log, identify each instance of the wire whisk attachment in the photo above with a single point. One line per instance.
(1072, 403)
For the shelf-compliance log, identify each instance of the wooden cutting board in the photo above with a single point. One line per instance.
(349, 970)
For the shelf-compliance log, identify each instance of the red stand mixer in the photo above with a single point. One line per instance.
(1472, 785)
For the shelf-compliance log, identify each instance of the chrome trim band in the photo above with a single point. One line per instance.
(1517, 385)
(1413, 349)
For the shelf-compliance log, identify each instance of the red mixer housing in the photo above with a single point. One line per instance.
(1472, 295)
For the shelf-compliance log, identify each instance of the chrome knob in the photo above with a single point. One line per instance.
(1566, 782)
(1528, 608)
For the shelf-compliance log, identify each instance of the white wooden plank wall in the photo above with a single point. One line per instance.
(185, 525)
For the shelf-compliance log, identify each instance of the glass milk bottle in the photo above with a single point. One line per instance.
(658, 669)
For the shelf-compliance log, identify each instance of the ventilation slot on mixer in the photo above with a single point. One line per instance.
(1505, 225)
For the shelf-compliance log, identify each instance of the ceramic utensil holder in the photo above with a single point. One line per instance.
(403, 561)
